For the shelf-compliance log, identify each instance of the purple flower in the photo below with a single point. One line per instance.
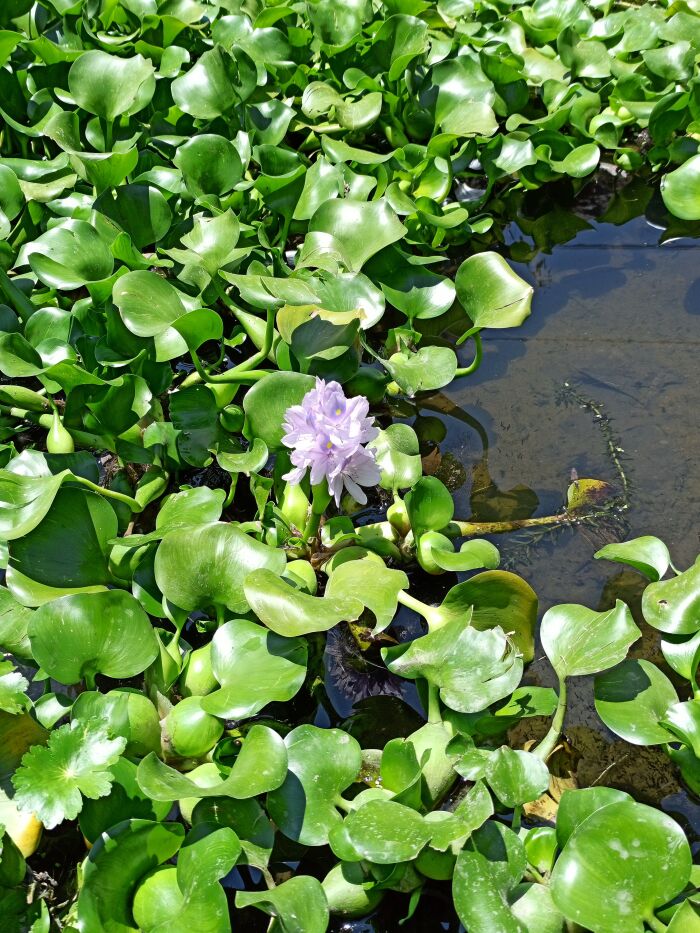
(326, 432)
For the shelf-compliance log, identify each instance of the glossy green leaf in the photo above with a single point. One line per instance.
(398, 457)
(254, 667)
(267, 401)
(490, 865)
(345, 220)
(621, 864)
(581, 641)
(289, 612)
(647, 554)
(297, 905)
(633, 700)
(147, 303)
(261, 766)
(108, 86)
(673, 605)
(472, 669)
(680, 190)
(196, 568)
(375, 585)
(491, 293)
(322, 764)
(117, 862)
(215, 84)
(69, 256)
(77, 637)
(385, 832)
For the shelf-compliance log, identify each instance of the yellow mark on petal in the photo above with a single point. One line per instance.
(338, 411)
(329, 445)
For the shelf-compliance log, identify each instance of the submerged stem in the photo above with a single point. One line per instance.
(549, 742)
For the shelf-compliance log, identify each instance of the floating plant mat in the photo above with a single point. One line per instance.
(228, 280)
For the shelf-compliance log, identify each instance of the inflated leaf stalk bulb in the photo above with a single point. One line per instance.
(59, 440)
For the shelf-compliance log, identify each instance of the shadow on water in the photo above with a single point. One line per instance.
(615, 316)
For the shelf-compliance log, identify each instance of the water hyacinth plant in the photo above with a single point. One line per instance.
(243, 248)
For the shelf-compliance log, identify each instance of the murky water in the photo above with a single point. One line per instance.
(616, 316)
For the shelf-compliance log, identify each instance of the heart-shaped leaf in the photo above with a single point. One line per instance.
(254, 667)
(290, 612)
(580, 641)
(673, 605)
(196, 568)
(491, 293)
(108, 86)
(261, 766)
(77, 637)
(647, 554)
(322, 763)
(472, 669)
(633, 700)
(621, 864)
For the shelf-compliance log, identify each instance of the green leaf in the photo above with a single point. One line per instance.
(423, 370)
(386, 832)
(14, 622)
(196, 568)
(322, 764)
(76, 637)
(375, 585)
(108, 86)
(398, 456)
(139, 210)
(254, 667)
(290, 612)
(576, 806)
(266, 402)
(117, 862)
(580, 641)
(298, 905)
(248, 461)
(215, 84)
(674, 605)
(491, 293)
(647, 554)
(67, 551)
(69, 256)
(429, 505)
(472, 669)
(53, 778)
(516, 777)
(195, 415)
(347, 220)
(260, 767)
(488, 868)
(495, 598)
(337, 26)
(436, 553)
(125, 800)
(633, 699)
(210, 165)
(680, 190)
(621, 864)
(13, 687)
(25, 500)
(148, 304)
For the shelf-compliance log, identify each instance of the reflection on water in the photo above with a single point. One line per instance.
(616, 314)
